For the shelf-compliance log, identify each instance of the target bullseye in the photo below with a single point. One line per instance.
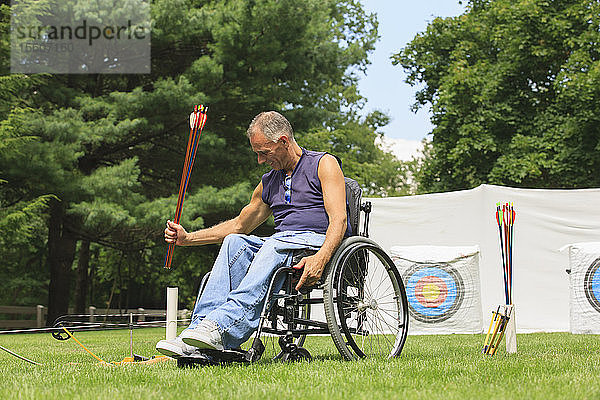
(435, 292)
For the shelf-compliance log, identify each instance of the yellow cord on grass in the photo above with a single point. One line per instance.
(85, 348)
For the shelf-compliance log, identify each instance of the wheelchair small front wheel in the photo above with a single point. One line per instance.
(299, 354)
(365, 302)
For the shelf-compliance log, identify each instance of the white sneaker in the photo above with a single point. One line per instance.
(174, 348)
(205, 336)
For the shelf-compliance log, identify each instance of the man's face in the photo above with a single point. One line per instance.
(273, 153)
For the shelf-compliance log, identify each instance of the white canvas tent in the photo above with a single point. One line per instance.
(546, 221)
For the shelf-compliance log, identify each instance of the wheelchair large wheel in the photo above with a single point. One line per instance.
(365, 301)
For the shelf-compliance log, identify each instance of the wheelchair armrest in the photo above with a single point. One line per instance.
(300, 254)
(296, 257)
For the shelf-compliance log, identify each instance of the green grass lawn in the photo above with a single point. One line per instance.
(547, 366)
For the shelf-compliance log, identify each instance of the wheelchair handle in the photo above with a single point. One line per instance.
(366, 207)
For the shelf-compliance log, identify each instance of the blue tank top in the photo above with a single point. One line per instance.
(306, 209)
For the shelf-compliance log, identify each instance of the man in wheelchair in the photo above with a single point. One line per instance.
(305, 191)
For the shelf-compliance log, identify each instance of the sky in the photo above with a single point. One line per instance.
(383, 85)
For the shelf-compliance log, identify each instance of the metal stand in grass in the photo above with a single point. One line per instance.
(503, 319)
(132, 358)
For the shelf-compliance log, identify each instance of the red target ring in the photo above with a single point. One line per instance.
(431, 291)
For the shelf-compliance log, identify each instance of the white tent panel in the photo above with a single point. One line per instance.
(546, 221)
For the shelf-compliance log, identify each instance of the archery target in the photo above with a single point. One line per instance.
(442, 287)
(584, 260)
(435, 292)
(591, 285)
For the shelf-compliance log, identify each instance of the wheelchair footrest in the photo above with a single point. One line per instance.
(207, 357)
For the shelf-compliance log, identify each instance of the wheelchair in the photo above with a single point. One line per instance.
(362, 293)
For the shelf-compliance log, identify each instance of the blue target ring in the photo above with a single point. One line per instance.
(596, 285)
(591, 284)
(444, 297)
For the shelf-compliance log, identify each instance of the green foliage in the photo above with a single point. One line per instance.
(514, 90)
(23, 277)
(22, 223)
(355, 143)
(111, 147)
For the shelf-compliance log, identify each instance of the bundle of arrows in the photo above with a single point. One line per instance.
(498, 324)
(197, 121)
(505, 218)
(503, 319)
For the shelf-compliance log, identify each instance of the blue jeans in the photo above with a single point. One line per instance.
(236, 289)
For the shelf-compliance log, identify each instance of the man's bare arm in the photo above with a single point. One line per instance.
(334, 197)
(251, 216)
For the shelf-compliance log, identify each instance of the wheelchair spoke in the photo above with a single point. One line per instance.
(382, 330)
(392, 314)
(370, 338)
(382, 336)
(378, 286)
(392, 328)
(388, 293)
(391, 311)
(370, 342)
(378, 325)
(355, 318)
(388, 302)
(350, 311)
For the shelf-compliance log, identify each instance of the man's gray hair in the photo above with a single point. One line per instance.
(272, 124)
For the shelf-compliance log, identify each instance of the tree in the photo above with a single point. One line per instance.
(356, 144)
(109, 148)
(21, 221)
(22, 238)
(514, 89)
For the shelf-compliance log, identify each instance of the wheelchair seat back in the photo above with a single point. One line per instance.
(353, 202)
